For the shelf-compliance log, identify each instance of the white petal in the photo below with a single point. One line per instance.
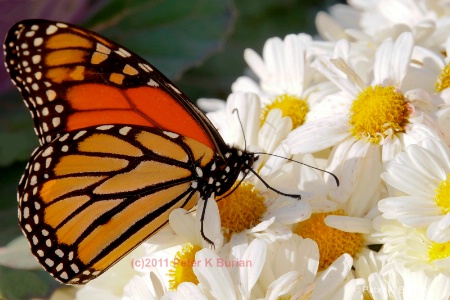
(439, 287)
(244, 109)
(274, 233)
(354, 83)
(350, 289)
(412, 211)
(275, 161)
(256, 63)
(416, 133)
(391, 147)
(245, 84)
(338, 72)
(364, 196)
(349, 224)
(328, 28)
(440, 150)
(183, 223)
(332, 277)
(274, 129)
(255, 255)
(349, 162)
(378, 286)
(308, 259)
(318, 135)
(427, 163)
(282, 285)
(139, 288)
(416, 184)
(210, 104)
(211, 224)
(298, 70)
(238, 244)
(440, 231)
(292, 213)
(263, 225)
(382, 65)
(216, 279)
(186, 290)
(401, 57)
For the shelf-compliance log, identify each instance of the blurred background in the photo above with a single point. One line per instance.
(199, 44)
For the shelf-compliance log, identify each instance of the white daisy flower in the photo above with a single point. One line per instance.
(202, 274)
(436, 69)
(380, 120)
(412, 248)
(232, 276)
(374, 21)
(285, 66)
(292, 270)
(336, 227)
(405, 284)
(422, 175)
(144, 287)
(394, 281)
(286, 79)
(368, 266)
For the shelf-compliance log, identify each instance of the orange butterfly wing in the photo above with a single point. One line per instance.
(72, 78)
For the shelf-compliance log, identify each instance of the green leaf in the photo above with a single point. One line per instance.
(17, 138)
(9, 178)
(171, 34)
(25, 284)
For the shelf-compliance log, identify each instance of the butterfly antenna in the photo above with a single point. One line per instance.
(242, 127)
(298, 196)
(293, 160)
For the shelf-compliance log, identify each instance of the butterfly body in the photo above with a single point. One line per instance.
(120, 148)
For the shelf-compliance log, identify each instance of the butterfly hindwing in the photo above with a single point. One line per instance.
(83, 207)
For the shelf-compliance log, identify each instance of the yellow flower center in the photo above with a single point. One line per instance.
(442, 196)
(377, 112)
(439, 251)
(291, 106)
(443, 81)
(182, 266)
(241, 210)
(332, 242)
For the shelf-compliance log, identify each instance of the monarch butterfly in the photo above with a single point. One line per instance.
(120, 148)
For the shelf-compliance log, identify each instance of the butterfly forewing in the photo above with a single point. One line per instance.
(72, 78)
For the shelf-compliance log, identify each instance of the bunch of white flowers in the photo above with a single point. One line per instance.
(369, 103)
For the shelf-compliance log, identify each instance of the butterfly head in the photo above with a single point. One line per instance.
(226, 170)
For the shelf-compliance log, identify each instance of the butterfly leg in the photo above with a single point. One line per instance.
(202, 219)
